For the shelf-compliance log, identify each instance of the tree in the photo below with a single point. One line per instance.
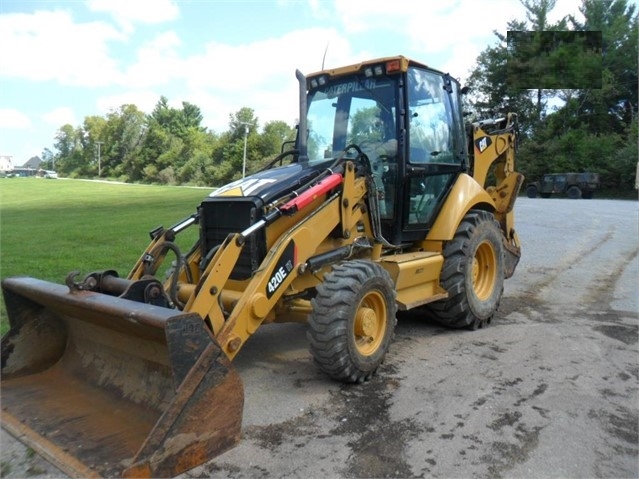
(124, 135)
(612, 107)
(69, 142)
(48, 159)
(191, 117)
(595, 69)
(363, 130)
(501, 81)
(95, 153)
(176, 145)
(229, 157)
(491, 94)
(199, 147)
(270, 143)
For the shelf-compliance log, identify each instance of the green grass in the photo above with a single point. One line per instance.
(51, 227)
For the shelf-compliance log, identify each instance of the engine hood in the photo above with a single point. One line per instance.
(269, 185)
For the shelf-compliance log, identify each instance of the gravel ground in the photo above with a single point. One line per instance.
(549, 390)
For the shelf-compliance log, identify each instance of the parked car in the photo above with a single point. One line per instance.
(47, 174)
(573, 185)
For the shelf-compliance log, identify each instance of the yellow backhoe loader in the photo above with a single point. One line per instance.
(387, 201)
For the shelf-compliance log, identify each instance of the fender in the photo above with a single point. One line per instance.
(465, 195)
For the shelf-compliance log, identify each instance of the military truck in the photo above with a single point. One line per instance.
(572, 185)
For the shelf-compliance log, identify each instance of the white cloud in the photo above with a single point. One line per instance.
(271, 63)
(157, 62)
(14, 119)
(128, 12)
(439, 28)
(441, 33)
(259, 75)
(380, 15)
(221, 77)
(60, 116)
(49, 45)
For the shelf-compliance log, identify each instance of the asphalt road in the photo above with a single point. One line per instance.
(549, 390)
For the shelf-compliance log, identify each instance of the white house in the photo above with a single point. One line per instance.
(6, 162)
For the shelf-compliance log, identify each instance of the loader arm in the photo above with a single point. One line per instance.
(316, 219)
(161, 240)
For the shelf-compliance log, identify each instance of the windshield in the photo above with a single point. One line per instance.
(356, 110)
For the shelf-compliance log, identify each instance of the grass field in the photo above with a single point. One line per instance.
(51, 227)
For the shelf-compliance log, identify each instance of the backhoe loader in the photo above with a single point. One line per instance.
(386, 202)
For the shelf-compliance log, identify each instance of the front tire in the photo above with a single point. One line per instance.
(353, 320)
(472, 274)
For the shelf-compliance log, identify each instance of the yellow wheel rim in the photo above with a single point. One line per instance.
(484, 271)
(370, 323)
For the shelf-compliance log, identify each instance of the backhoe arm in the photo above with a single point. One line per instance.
(494, 148)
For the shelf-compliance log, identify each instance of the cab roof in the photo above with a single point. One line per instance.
(400, 62)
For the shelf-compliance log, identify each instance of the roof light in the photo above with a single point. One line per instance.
(393, 66)
(379, 70)
(314, 83)
(322, 80)
(368, 72)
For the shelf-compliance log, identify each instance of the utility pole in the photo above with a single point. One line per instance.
(99, 162)
(246, 130)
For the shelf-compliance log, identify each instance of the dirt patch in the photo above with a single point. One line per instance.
(627, 334)
(377, 447)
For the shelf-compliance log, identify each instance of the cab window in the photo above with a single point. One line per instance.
(430, 116)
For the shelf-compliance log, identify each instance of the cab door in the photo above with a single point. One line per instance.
(435, 152)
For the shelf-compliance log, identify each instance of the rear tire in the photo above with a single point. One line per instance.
(472, 274)
(532, 191)
(353, 320)
(574, 193)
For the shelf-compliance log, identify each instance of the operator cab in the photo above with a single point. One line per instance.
(406, 118)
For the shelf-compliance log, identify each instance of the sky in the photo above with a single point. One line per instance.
(61, 61)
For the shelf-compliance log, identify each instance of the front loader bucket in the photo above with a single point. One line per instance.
(104, 386)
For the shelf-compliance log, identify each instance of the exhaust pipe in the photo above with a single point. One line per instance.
(302, 126)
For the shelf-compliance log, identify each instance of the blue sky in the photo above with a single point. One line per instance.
(61, 61)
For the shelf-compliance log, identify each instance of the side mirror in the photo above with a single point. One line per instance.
(464, 90)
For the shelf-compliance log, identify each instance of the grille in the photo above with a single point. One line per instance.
(221, 216)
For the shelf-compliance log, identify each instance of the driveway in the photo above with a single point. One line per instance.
(550, 389)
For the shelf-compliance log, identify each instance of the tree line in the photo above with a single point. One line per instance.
(594, 77)
(167, 146)
(587, 69)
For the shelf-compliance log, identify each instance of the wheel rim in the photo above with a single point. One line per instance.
(484, 271)
(370, 323)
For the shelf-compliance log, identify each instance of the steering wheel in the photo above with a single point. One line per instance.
(360, 157)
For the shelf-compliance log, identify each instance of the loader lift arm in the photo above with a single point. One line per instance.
(283, 263)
